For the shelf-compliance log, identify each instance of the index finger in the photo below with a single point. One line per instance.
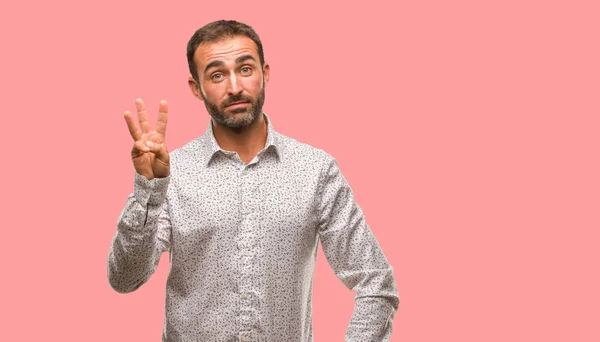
(161, 123)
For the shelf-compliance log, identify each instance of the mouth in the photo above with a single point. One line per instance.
(237, 104)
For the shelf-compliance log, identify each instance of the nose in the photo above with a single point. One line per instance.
(234, 87)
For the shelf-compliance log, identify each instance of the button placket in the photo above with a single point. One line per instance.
(246, 245)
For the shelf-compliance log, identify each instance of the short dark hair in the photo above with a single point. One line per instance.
(216, 31)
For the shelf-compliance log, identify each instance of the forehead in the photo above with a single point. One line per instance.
(225, 49)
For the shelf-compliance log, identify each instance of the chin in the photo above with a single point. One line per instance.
(239, 120)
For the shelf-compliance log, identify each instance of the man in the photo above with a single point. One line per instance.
(241, 210)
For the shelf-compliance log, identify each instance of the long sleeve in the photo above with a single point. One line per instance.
(143, 234)
(356, 258)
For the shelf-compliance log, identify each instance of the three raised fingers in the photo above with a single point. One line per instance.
(161, 124)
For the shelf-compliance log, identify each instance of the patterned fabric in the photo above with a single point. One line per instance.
(243, 243)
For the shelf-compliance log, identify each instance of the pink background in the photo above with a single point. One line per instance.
(467, 129)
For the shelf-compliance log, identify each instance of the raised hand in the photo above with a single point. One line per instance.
(149, 153)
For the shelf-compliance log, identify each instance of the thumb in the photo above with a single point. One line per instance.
(159, 150)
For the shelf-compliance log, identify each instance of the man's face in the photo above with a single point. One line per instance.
(231, 80)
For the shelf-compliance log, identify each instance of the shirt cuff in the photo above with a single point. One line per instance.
(150, 192)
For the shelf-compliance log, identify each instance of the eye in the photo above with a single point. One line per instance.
(217, 77)
(246, 70)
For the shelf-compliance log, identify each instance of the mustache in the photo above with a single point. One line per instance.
(236, 98)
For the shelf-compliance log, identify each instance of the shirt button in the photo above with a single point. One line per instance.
(244, 296)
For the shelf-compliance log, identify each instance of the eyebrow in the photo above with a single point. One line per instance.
(238, 60)
(244, 58)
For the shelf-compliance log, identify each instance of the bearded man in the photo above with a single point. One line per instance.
(241, 211)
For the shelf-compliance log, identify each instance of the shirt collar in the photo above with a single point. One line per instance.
(211, 147)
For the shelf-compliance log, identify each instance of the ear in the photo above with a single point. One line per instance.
(266, 72)
(195, 88)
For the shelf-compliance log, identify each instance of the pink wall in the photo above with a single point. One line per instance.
(468, 131)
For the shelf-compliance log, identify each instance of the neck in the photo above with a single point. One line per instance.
(246, 141)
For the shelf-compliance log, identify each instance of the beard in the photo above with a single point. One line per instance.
(238, 117)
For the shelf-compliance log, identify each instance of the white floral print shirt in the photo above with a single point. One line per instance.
(242, 241)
